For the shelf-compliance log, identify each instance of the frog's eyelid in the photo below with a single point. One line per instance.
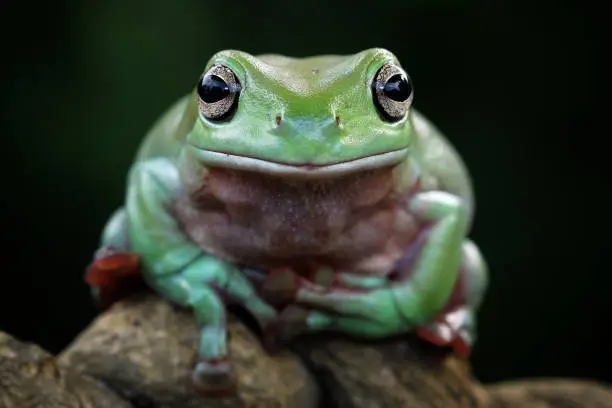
(236, 68)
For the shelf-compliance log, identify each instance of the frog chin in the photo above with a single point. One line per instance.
(211, 158)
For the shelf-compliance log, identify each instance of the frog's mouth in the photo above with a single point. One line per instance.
(214, 158)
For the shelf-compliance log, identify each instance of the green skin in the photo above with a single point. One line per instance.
(301, 123)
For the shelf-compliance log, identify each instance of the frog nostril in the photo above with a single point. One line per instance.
(338, 122)
(279, 120)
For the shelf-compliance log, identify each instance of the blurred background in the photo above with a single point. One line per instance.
(509, 82)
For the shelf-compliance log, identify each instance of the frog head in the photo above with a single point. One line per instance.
(310, 117)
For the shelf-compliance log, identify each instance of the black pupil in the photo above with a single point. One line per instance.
(212, 89)
(398, 88)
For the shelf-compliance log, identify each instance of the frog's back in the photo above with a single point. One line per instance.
(441, 165)
(166, 136)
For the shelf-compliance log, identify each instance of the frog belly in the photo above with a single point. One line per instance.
(353, 222)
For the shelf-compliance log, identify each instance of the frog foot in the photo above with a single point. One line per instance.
(214, 378)
(291, 322)
(451, 329)
(281, 286)
(114, 275)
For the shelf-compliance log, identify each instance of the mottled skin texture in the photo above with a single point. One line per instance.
(307, 206)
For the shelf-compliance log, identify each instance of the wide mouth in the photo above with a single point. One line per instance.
(240, 162)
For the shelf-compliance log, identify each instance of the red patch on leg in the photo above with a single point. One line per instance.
(460, 347)
(456, 342)
(214, 385)
(456, 300)
(116, 277)
(105, 271)
(217, 362)
(431, 337)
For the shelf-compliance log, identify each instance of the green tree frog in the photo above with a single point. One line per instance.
(311, 193)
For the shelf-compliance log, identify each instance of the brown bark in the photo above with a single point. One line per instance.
(30, 377)
(143, 349)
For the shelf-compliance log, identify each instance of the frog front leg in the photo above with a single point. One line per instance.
(413, 301)
(180, 271)
(455, 325)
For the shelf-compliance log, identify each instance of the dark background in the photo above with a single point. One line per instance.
(510, 83)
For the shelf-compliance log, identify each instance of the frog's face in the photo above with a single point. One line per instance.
(310, 116)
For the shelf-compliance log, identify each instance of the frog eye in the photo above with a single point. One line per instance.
(218, 93)
(392, 92)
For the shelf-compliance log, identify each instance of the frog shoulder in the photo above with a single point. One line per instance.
(168, 133)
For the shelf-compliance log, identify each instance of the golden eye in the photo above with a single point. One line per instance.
(392, 92)
(218, 93)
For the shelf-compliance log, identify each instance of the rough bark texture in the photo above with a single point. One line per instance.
(30, 377)
(400, 373)
(143, 349)
(550, 393)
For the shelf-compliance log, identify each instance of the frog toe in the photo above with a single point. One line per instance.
(441, 335)
(280, 286)
(452, 330)
(291, 322)
(214, 378)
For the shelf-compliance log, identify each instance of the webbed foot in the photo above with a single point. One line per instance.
(280, 286)
(214, 378)
(291, 322)
(455, 326)
(453, 329)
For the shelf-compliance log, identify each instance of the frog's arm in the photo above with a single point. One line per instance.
(174, 265)
(162, 141)
(416, 298)
(445, 204)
